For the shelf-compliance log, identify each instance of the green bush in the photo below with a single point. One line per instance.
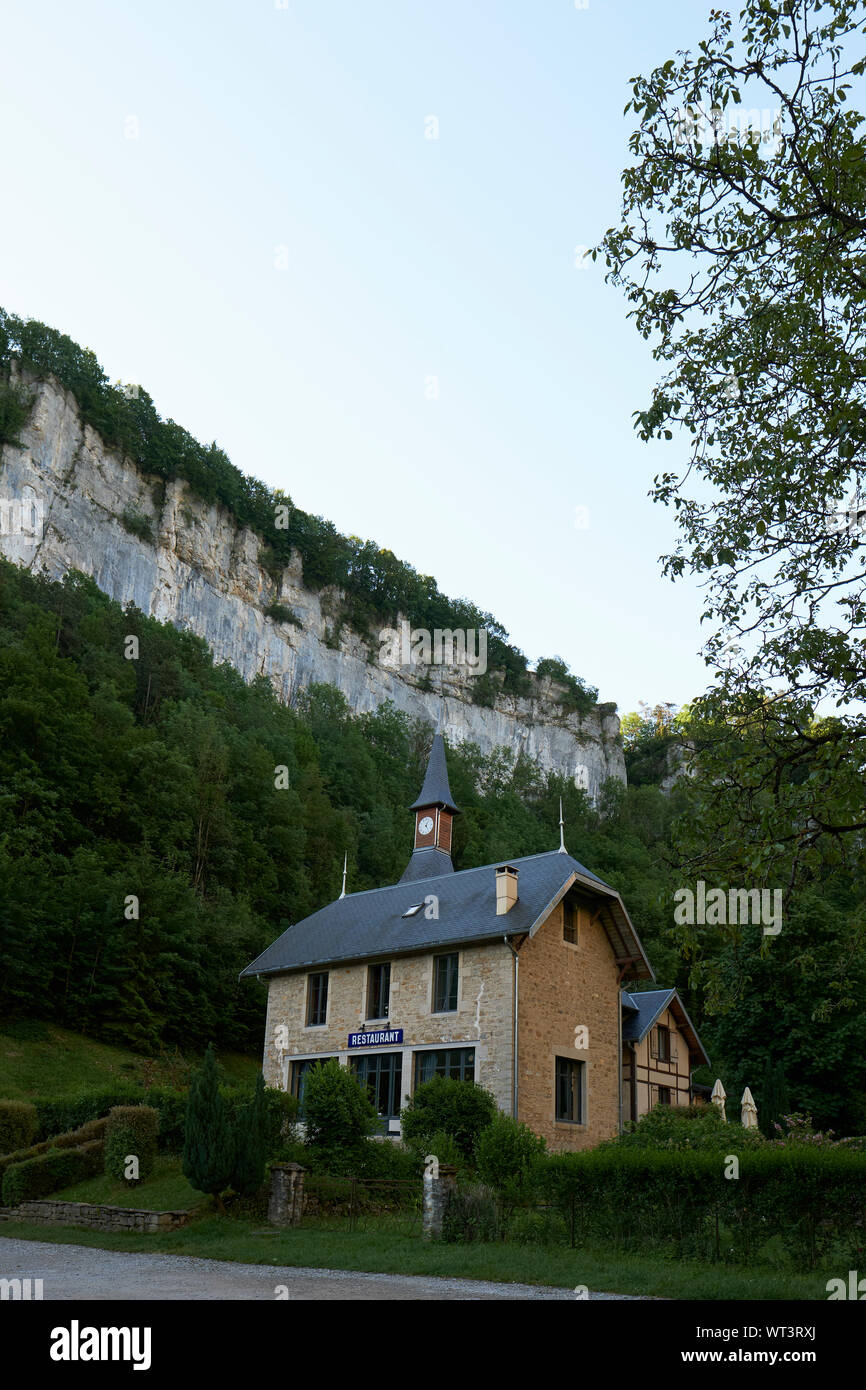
(171, 1105)
(131, 1132)
(338, 1112)
(680, 1204)
(443, 1147)
(38, 1177)
(281, 614)
(697, 1127)
(442, 1105)
(64, 1113)
(94, 1129)
(506, 1157)
(471, 1214)
(18, 1125)
(15, 407)
(136, 524)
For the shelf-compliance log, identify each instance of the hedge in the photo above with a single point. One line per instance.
(94, 1129)
(38, 1177)
(62, 1113)
(683, 1203)
(65, 1113)
(131, 1131)
(18, 1123)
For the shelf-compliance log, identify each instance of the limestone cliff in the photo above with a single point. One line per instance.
(65, 496)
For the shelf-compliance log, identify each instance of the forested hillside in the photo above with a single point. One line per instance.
(155, 777)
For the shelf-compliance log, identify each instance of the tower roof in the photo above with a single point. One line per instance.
(436, 791)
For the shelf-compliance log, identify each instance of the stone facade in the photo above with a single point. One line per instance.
(50, 1213)
(483, 1019)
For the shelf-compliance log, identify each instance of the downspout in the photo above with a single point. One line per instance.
(514, 1001)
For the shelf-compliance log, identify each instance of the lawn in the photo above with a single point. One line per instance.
(40, 1060)
(380, 1251)
(165, 1190)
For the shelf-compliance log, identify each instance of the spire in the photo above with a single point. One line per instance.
(345, 863)
(434, 810)
(436, 791)
(562, 849)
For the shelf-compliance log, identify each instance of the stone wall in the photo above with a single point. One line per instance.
(483, 1019)
(49, 1213)
(200, 571)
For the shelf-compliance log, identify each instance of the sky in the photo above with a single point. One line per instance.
(341, 241)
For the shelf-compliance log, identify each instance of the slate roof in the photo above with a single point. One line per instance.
(371, 924)
(640, 1011)
(429, 862)
(436, 791)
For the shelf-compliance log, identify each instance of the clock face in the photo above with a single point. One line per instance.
(425, 825)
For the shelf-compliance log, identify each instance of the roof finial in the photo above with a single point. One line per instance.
(562, 849)
(345, 863)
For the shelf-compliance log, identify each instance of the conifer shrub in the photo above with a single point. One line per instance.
(131, 1133)
(208, 1150)
(18, 1125)
(250, 1143)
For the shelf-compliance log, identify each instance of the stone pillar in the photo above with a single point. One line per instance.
(286, 1202)
(436, 1190)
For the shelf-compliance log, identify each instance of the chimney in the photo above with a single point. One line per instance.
(506, 889)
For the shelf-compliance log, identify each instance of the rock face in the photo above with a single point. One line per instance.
(64, 495)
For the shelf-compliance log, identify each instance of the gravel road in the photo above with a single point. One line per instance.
(77, 1272)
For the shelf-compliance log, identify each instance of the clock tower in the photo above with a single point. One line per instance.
(434, 812)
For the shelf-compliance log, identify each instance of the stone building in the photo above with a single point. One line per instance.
(510, 974)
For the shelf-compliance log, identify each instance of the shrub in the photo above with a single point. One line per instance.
(461, 1109)
(506, 1157)
(281, 614)
(15, 407)
(443, 1147)
(250, 1143)
(38, 1177)
(18, 1125)
(208, 1150)
(171, 1105)
(698, 1127)
(94, 1129)
(281, 1113)
(131, 1132)
(471, 1213)
(136, 524)
(338, 1112)
(66, 1113)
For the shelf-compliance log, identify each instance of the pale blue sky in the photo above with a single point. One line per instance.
(284, 260)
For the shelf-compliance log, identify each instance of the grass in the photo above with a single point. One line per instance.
(380, 1251)
(41, 1060)
(165, 1190)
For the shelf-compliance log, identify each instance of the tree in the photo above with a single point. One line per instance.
(250, 1143)
(742, 249)
(208, 1146)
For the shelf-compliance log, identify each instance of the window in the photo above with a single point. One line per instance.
(410, 911)
(445, 984)
(298, 1080)
(317, 999)
(569, 923)
(381, 1073)
(455, 1062)
(664, 1095)
(664, 1044)
(378, 990)
(569, 1090)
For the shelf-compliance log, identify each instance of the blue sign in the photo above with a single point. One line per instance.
(383, 1038)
